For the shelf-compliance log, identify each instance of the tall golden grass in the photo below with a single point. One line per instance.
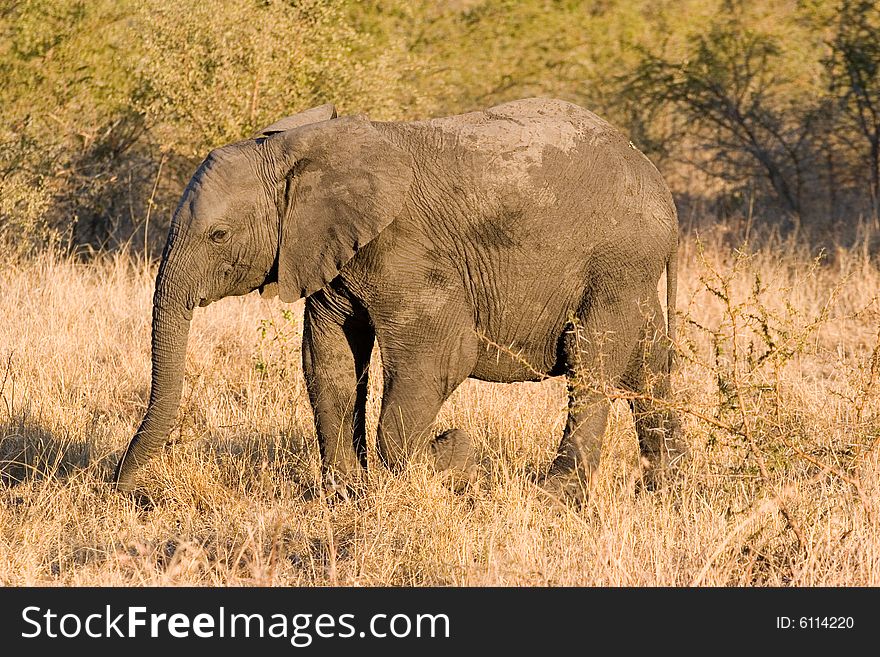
(777, 382)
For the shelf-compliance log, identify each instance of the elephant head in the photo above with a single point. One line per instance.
(282, 212)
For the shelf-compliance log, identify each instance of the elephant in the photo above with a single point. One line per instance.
(521, 242)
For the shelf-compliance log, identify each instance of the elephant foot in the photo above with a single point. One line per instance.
(660, 469)
(342, 486)
(454, 455)
(571, 487)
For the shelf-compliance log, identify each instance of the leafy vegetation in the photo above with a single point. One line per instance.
(107, 106)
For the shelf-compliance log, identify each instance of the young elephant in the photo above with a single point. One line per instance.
(523, 241)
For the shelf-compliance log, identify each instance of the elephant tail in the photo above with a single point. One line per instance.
(671, 291)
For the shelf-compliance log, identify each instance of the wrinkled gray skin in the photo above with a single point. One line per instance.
(523, 241)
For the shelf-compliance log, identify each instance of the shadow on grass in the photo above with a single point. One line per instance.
(31, 451)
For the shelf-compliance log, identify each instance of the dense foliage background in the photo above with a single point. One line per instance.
(768, 109)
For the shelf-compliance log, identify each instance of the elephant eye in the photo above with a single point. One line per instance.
(219, 235)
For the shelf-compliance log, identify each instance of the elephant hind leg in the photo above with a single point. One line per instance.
(596, 349)
(657, 423)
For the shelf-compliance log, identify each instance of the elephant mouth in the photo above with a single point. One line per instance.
(269, 287)
(268, 290)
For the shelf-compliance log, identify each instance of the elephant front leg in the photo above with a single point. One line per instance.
(337, 346)
(406, 434)
(416, 386)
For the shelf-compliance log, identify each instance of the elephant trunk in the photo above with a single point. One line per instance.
(171, 321)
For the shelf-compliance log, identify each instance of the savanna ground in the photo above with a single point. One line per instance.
(777, 381)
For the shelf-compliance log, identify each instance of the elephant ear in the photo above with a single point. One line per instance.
(342, 183)
(314, 115)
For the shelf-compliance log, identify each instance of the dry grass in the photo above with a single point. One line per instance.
(779, 381)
